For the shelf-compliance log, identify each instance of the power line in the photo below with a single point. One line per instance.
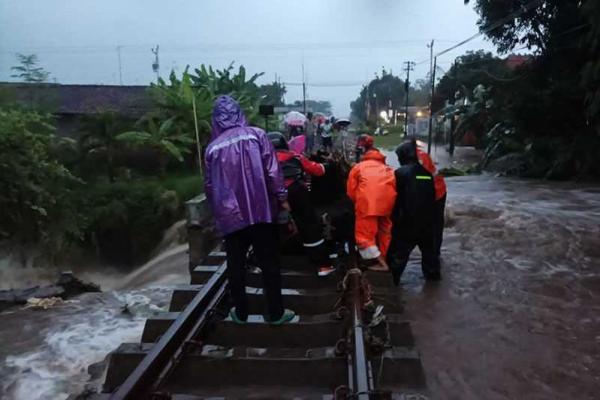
(241, 46)
(489, 28)
(494, 25)
(327, 84)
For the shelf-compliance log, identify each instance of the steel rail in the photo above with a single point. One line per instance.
(201, 322)
(362, 385)
(147, 373)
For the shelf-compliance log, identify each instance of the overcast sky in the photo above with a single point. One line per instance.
(341, 42)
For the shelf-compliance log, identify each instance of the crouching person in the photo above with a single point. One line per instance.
(295, 167)
(371, 187)
(413, 216)
(244, 185)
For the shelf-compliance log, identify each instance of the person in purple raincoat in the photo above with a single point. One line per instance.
(244, 186)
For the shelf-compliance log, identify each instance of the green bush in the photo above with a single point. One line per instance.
(186, 186)
(36, 200)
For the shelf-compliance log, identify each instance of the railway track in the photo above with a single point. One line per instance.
(348, 341)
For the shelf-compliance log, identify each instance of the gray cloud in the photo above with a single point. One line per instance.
(341, 42)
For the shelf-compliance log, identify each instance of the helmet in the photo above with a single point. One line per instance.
(278, 140)
(407, 152)
(365, 142)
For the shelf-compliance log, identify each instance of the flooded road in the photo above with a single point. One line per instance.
(517, 315)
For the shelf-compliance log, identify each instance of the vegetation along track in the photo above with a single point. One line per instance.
(348, 341)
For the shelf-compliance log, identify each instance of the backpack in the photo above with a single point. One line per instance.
(292, 169)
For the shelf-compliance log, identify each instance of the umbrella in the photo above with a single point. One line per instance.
(341, 123)
(294, 118)
(297, 144)
(319, 118)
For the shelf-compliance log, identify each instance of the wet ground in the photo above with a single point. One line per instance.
(517, 315)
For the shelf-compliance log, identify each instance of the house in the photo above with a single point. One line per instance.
(514, 61)
(71, 102)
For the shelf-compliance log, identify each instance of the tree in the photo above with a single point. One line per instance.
(551, 105)
(382, 93)
(316, 106)
(420, 93)
(536, 25)
(469, 71)
(36, 201)
(163, 136)
(99, 137)
(591, 71)
(273, 93)
(175, 99)
(28, 71)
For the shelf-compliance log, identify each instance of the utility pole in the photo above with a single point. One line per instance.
(452, 120)
(368, 101)
(120, 67)
(410, 65)
(303, 89)
(376, 110)
(432, 66)
(304, 98)
(156, 64)
(430, 136)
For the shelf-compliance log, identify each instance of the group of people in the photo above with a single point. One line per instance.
(319, 133)
(397, 211)
(256, 185)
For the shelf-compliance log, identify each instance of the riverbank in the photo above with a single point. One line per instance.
(45, 354)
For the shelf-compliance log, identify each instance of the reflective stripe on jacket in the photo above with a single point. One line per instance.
(438, 180)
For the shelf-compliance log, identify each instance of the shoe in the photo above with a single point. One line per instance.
(324, 271)
(287, 316)
(234, 317)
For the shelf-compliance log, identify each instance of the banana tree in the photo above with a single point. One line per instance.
(98, 137)
(188, 100)
(165, 136)
(236, 84)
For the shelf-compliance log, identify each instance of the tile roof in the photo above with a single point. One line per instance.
(131, 101)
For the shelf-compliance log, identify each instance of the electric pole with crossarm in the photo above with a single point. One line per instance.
(409, 66)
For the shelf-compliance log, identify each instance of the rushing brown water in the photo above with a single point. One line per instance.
(517, 315)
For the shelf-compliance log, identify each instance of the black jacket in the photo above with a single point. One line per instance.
(413, 212)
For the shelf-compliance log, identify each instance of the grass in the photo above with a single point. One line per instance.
(389, 141)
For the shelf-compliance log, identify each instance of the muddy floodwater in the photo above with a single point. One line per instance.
(517, 315)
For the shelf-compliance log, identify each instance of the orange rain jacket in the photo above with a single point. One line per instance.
(438, 180)
(372, 186)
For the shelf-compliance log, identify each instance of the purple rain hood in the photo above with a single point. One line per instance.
(243, 182)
